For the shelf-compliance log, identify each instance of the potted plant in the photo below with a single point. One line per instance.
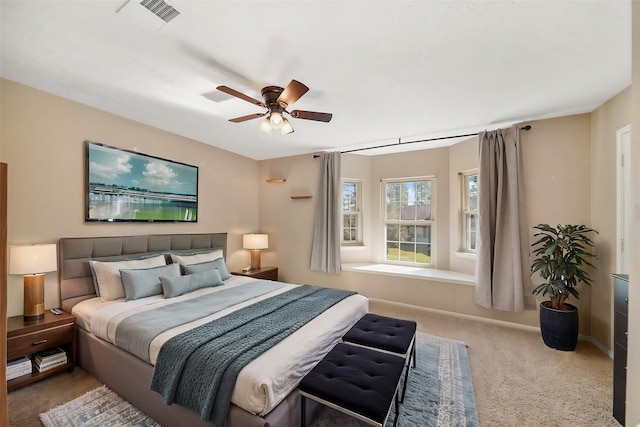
(562, 257)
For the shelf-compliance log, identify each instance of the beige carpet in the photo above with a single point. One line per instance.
(26, 404)
(518, 381)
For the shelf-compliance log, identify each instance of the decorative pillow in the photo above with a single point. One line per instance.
(176, 286)
(145, 282)
(197, 258)
(210, 265)
(107, 274)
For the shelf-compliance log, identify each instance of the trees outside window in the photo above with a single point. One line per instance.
(408, 220)
(469, 211)
(351, 215)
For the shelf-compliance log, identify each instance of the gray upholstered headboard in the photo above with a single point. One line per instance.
(74, 253)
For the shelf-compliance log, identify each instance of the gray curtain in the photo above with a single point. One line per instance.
(325, 254)
(503, 281)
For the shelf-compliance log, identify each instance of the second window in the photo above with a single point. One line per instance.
(409, 220)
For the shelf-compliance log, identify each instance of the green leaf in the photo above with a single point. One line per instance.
(561, 255)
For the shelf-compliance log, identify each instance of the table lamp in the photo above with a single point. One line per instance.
(255, 242)
(33, 261)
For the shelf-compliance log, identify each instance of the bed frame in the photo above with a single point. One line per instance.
(124, 373)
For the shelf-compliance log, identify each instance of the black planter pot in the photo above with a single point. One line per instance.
(559, 328)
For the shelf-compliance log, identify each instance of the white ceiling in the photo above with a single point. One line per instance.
(387, 70)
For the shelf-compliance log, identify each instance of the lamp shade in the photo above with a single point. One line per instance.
(32, 259)
(255, 241)
(286, 127)
(265, 126)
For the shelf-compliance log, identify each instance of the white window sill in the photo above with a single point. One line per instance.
(412, 272)
(353, 247)
(468, 255)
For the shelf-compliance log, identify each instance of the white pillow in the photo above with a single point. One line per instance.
(197, 258)
(107, 274)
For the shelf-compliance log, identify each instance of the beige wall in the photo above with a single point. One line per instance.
(605, 121)
(633, 355)
(463, 157)
(557, 164)
(43, 143)
(288, 222)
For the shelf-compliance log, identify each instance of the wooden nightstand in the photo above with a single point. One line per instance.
(268, 273)
(27, 337)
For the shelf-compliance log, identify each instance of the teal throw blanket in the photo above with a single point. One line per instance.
(198, 368)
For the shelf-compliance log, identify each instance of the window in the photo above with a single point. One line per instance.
(408, 220)
(351, 218)
(469, 211)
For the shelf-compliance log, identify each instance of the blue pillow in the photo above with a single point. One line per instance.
(176, 286)
(217, 264)
(112, 268)
(145, 282)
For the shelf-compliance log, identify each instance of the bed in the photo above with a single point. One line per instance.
(262, 396)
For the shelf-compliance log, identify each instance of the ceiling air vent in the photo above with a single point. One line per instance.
(161, 9)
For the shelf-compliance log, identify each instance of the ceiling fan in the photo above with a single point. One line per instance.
(276, 101)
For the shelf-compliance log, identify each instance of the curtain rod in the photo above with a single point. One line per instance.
(527, 127)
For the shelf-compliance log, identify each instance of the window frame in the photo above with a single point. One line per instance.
(466, 213)
(431, 223)
(357, 212)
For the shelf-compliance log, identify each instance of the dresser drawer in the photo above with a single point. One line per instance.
(619, 399)
(620, 329)
(619, 360)
(39, 340)
(621, 298)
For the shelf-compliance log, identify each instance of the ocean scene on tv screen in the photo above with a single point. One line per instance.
(127, 186)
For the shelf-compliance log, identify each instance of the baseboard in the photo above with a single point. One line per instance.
(598, 345)
(462, 316)
(512, 325)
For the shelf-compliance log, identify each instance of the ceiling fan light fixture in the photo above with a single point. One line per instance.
(265, 126)
(276, 100)
(276, 119)
(286, 127)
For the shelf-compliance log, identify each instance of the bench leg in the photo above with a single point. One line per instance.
(406, 380)
(395, 421)
(413, 350)
(303, 415)
(406, 374)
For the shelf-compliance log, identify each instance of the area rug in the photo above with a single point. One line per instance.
(100, 407)
(439, 392)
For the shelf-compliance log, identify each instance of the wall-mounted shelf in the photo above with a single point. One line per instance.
(276, 181)
(301, 197)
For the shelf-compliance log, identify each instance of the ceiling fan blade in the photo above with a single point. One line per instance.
(240, 95)
(311, 115)
(249, 117)
(292, 93)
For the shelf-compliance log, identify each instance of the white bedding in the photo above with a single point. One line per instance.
(263, 383)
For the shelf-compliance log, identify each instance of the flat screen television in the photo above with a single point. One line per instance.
(124, 185)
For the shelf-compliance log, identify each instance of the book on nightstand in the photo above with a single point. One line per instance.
(18, 367)
(51, 358)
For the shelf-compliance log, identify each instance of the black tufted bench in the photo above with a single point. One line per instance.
(396, 336)
(358, 381)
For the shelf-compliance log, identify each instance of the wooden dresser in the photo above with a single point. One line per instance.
(620, 332)
(27, 337)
